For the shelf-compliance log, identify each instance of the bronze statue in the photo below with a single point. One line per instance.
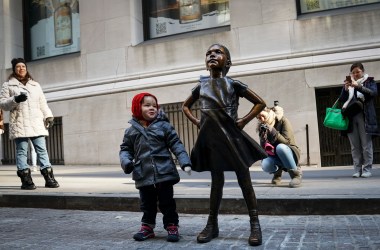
(222, 145)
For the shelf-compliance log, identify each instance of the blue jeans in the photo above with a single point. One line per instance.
(284, 158)
(39, 144)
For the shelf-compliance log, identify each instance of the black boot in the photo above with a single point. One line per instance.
(245, 183)
(211, 230)
(256, 238)
(26, 179)
(50, 182)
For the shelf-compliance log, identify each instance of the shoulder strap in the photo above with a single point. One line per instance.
(335, 103)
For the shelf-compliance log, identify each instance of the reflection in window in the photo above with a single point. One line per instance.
(169, 17)
(52, 28)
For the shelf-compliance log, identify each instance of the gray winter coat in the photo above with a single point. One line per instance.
(147, 152)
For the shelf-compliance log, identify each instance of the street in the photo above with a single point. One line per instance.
(32, 228)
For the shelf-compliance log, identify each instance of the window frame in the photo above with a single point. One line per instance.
(27, 35)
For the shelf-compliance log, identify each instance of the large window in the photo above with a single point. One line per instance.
(51, 28)
(170, 17)
(310, 6)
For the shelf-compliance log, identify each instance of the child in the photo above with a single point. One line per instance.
(146, 150)
(222, 145)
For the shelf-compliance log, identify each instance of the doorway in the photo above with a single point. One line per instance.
(335, 149)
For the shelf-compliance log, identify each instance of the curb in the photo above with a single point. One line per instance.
(334, 206)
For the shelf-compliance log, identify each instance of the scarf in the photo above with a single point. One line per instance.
(351, 92)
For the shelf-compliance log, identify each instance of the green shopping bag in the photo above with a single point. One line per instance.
(334, 118)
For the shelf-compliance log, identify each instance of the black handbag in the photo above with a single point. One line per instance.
(353, 108)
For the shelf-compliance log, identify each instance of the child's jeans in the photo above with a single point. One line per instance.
(163, 193)
(284, 158)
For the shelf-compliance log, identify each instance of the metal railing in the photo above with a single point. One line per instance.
(186, 130)
(54, 145)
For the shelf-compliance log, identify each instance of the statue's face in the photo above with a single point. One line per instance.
(216, 58)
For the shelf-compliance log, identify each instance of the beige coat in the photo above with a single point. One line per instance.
(26, 118)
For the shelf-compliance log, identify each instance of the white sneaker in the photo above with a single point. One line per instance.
(366, 174)
(356, 175)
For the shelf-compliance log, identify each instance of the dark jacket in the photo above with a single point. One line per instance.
(282, 132)
(147, 152)
(369, 90)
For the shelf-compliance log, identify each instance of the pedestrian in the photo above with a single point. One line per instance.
(147, 149)
(222, 145)
(30, 118)
(277, 137)
(361, 88)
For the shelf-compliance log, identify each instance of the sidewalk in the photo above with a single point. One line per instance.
(325, 191)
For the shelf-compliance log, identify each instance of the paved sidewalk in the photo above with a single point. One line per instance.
(328, 190)
(51, 229)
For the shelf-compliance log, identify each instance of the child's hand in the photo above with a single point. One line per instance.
(187, 169)
(129, 168)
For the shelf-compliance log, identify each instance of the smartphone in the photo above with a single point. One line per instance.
(348, 79)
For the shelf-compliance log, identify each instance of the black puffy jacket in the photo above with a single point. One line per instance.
(147, 152)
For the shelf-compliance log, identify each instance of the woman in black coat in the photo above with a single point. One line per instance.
(363, 124)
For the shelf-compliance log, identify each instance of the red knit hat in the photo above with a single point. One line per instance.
(136, 104)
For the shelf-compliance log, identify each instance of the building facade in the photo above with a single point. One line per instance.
(278, 50)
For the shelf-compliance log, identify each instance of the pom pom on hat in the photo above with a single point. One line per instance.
(15, 61)
(136, 104)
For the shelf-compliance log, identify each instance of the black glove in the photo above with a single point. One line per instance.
(49, 122)
(21, 98)
(129, 168)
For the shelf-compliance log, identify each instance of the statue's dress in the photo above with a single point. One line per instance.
(221, 145)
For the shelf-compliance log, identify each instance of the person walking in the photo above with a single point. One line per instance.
(30, 118)
(359, 87)
(147, 152)
(222, 145)
(277, 137)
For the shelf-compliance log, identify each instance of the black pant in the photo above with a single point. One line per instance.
(163, 193)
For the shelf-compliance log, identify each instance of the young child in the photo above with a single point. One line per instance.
(222, 145)
(146, 151)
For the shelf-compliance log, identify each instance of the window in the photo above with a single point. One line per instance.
(310, 6)
(169, 17)
(51, 28)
